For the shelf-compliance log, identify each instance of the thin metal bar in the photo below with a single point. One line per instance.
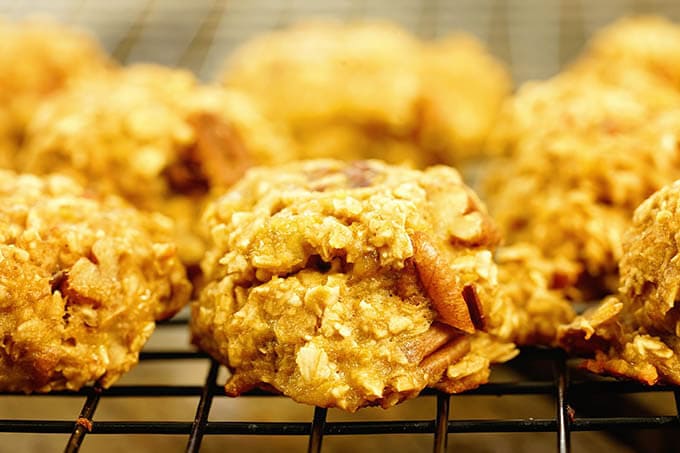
(84, 423)
(122, 391)
(562, 416)
(316, 433)
(168, 355)
(128, 42)
(491, 389)
(76, 8)
(203, 409)
(36, 426)
(176, 321)
(194, 55)
(607, 423)
(426, 27)
(344, 428)
(499, 31)
(441, 423)
(572, 30)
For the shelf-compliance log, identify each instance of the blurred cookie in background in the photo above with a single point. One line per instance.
(576, 154)
(39, 57)
(573, 196)
(155, 136)
(372, 90)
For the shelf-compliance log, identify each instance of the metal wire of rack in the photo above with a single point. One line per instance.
(440, 426)
(534, 37)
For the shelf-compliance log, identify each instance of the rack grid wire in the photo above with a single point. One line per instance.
(440, 426)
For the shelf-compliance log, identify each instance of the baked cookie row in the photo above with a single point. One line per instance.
(341, 283)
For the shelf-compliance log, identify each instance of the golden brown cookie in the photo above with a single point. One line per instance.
(370, 89)
(579, 102)
(156, 137)
(635, 334)
(647, 43)
(628, 72)
(82, 281)
(37, 59)
(351, 284)
(572, 191)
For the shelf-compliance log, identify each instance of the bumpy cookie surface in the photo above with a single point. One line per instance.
(82, 281)
(535, 287)
(349, 285)
(573, 195)
(370, 89)
(585, 148)
(628, 72)
(156, 137)
(635, 334)
(37, 59)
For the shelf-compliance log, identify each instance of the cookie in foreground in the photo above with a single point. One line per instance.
(351, 284)
(82, 282)
(635, 333)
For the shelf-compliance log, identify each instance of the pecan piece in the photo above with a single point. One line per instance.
(217, 158)
(238, 385)
(359, 174)
(441, 285)
(436, 363)
(71, 294)
(474, 306)
(417, 348)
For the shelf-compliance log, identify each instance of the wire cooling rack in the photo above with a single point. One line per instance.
(534, 37)
(440, 426)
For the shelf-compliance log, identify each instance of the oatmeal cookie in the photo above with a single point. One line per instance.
(629, 72)
(156, 137)
(82, 281)
(37, 59)
(635, 334)
(351, 284)
(370, 89)
(579, 103)
(573, 194)
(647, 43)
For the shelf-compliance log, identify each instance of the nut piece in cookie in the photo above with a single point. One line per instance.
(82, 281)
(350, 284)
(635, 334)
